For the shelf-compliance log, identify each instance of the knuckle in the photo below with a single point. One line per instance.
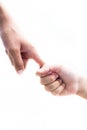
(13, 50)
(51, 87)
(51, 78)
(19, 66)
(46, 88)
(44, 80)
(59, 82)
(54, 93)
(56, 83)
(41, 81)
(48, 79)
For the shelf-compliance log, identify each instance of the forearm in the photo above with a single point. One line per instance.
(4, 18)
(82, 87)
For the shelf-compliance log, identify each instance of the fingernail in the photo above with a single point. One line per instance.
(20, 71)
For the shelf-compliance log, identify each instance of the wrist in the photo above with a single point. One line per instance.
(82, 91)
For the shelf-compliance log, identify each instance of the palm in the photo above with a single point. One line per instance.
(70, 80)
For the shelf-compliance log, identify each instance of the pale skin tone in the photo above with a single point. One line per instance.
(17, 48)
(61, 81)
(57, 79)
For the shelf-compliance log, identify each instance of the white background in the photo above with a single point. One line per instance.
(58, 30)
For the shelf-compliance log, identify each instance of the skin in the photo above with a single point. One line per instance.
(57, 79)
(61, 81)
(17, 48)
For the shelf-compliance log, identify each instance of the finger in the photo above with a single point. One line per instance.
(18, 62)
(38, 59)
(34, 55)
(64, 92)
(48, 79)
(10, 57)
(58, 90)
(25, 58)
(51, 87)
(25, 62)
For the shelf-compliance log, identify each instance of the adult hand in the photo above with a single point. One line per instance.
(18, 49)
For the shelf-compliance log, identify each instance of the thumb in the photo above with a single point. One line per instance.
(45, 70)
(17, 59)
